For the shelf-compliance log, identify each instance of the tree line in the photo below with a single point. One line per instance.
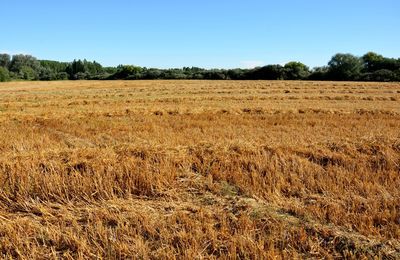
(341, 67)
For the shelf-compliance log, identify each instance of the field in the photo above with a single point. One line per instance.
(199, 169)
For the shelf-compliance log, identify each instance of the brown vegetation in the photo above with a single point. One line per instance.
(199, 169)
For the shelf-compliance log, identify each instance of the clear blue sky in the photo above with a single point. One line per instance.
(207, 33)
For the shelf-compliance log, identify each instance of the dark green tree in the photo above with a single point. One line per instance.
(62, 76)
(21, 61)
(152, 74)
(296, 70)
(372, 61)
(128, 72)
(382, 75)
(4, 74)
(46, 73)
(345, 67)
(269, 72)
(236, 73)
(215, 74)
(27, 73)
(5, 60)
(319, 73)
(55, 66)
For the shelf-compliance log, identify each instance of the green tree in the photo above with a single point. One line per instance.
(128, 71)
(5, 60)
(236, 74)
(4, 74)
(372, 61)
(27, 73)
(55, 66)
(62, 76)
(45, 73)
(152, 74)
(94, 68)
(75, 67)
(81, 76)
(269, 72)
(345, 67)
(296, 70)
(319, 73)
(20, 61)
(380, 75)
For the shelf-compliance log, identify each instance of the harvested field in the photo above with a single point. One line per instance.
(199, 169)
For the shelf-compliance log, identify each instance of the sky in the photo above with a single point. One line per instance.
(207, 33)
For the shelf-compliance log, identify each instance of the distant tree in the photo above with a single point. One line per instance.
(296, 70)
(174, 74)
(390, 64)
(382, 75)
(55, 66)
(372, 61)
(93, 68)
(214, 74)
(27, 73)
(198, 75)
(370, 67)
(75, 67)
(81, 76)
(20, 61)
(345, 67)
(110, 70)
(4, 74)
(62, 76)
(5, 60)
(79, 69)
(269, 72)
(127, 71)
(236, 73)
(319, 73)
(152, 74)
(45, 73)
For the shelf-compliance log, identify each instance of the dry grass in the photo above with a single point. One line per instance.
(199, 169)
